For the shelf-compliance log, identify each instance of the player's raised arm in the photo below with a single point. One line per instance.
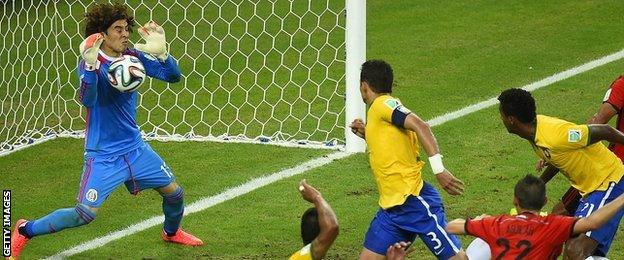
(570, 200)
(159, 64)
(87, 75)
(448, 182)
(328, 222)
(600, 217)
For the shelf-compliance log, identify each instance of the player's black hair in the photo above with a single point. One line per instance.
(101, 16)
(531, 193)
(378, 75)
(310, 228)
(518, 103)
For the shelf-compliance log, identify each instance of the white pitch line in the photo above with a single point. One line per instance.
(256, 183)
(204, 203)
(530, 87)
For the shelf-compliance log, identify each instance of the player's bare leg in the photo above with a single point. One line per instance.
(173, 208)
(579, 248)
(168, 189)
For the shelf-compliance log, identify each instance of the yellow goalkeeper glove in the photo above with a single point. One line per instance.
(155, 43)
(89, 48)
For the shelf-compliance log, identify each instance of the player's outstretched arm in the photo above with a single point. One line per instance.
(600, 217)
(569, 201)
(327, 220)
(549, 173)
(423, 130)
(604, 114)
(160, 65)
(89, 49)
(605, 132)
(448, 182)
(457, 226)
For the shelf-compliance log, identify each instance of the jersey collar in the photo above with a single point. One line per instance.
(108, 58)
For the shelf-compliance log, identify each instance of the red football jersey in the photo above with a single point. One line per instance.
(524, 236)
(615, 97)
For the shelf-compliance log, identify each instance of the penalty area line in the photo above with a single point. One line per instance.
(204, 203)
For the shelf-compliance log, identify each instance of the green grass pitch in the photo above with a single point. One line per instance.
(446, 55)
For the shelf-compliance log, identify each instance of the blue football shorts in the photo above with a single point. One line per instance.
(138, 169)
(422, 216)
(592, 202)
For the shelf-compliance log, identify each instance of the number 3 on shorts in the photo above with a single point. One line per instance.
(435, 239)
(166, 169)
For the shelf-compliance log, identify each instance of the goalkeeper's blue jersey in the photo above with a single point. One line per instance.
(111, 127)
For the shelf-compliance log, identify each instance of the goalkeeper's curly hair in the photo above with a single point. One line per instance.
(101, 16)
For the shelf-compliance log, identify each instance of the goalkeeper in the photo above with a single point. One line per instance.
(115, 153)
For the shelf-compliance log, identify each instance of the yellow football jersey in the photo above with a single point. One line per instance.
(304, 254)
(565, 145)
(393, 153)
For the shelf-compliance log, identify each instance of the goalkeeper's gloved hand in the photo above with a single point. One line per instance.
(155, 43)
(89, 49)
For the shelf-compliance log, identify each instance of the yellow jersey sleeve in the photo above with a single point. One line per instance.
(305, 253)
(570, 136)
(387, 108)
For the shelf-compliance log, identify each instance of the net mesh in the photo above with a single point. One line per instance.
(253, 71)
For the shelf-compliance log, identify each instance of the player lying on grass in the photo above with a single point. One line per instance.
(319, 225)
(115, 153)
(530, 235)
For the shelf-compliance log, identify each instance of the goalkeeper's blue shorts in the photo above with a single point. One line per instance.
(138, 169)
(422, 216)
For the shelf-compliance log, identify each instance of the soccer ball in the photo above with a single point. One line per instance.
(126, 73)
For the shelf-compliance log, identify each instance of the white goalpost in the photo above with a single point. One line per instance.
(282, 72)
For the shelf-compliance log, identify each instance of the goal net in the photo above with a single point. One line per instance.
(253, 71)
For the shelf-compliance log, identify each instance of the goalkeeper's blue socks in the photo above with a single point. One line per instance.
(58, 220)
(173, 207)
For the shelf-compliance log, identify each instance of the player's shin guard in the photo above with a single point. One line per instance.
(59, 220)
(173, 207)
